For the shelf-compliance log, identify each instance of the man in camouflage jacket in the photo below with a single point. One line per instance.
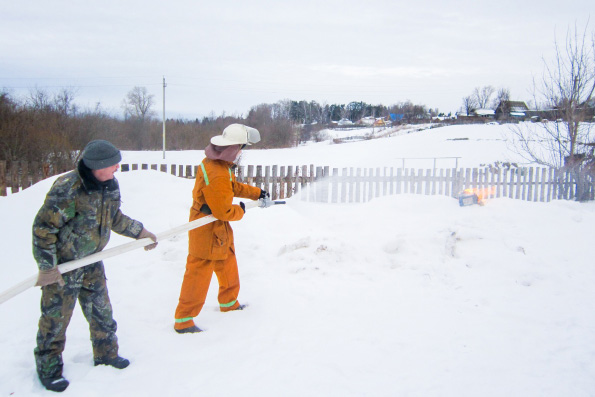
(75, 221)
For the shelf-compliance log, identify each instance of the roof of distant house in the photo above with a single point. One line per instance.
(484, 112)
(513, 106)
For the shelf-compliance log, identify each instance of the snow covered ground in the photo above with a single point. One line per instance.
(473, 144)
(401, 296)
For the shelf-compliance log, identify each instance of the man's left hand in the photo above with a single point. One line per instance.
(147, 234)
(50, 276)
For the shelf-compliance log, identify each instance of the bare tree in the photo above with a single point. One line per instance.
(64, 101)
(482, 96)
(137, 106)
(39, 99)
(469, 104)
(503, 95)
(566, 89)
(138, 103)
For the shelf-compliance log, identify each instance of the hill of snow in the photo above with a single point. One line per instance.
(402, 296)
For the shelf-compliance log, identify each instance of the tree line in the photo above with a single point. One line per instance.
(50, 127)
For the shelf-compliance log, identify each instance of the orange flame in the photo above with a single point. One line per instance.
(481, 194)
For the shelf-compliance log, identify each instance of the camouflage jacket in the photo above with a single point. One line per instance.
(76, 219)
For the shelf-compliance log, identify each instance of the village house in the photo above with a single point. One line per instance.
(512, 110)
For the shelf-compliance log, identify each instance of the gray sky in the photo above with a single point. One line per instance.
(227, 56)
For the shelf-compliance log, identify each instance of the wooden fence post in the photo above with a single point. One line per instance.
(291, 181)
(358, 187)
(249, 177)
(45, 171)
(519, 172)
(370, 184)
(378, 182)
(25, 175)
(282, 183)
(35, 172)
(418, 181)
(334, 185)
(267, 179)
(14, 176)
(258, 181)
(428, 183)
(3, 178)
(275, 183)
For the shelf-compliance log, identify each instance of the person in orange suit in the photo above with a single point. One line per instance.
(211, 247)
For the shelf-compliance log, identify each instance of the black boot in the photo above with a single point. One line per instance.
(57, 384)
(190, 330)
(116, 362)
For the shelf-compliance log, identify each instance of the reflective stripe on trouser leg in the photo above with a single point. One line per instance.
(230, 304)
(229, 282)
(193, 294)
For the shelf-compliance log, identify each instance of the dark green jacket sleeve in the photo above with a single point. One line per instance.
(56, 211)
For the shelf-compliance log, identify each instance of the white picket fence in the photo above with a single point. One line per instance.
(352, 185)
(360, 185)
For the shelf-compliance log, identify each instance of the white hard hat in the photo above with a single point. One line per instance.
(236, 134)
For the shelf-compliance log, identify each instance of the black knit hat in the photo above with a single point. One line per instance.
(101, 154)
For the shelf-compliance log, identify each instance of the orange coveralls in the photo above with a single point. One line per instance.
(211, 246)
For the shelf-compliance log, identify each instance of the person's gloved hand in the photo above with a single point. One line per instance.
(243, 206)
(265, 202)
(263, 194)
(147, 234)
(51, 276)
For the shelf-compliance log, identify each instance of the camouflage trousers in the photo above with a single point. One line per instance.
(88, 285)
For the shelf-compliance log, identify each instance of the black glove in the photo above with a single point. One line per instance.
(263, 194)
(243, 206)
(205, 209)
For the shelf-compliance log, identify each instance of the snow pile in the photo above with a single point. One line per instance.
(403, 295)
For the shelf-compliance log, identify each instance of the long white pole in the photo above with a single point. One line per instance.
(120, 249)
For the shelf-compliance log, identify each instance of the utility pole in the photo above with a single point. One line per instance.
(164, 85)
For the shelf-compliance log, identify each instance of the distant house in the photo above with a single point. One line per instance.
(486, 113)
(374, 121)
(512, 110)
(396, 116)
(381, 122)
(367, 120)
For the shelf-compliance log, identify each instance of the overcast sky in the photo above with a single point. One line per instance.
(227, 56)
